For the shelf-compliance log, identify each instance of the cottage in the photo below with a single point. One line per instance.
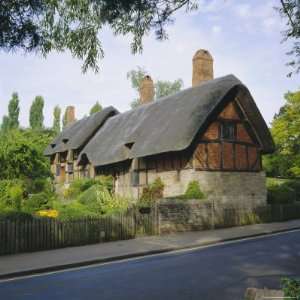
(66, 147)
(212, 132)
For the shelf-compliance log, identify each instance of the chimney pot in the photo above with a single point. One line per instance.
(146, 90)
(202, 67)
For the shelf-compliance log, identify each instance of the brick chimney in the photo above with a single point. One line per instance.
(202, 67)
(146, 90)
(70, 114)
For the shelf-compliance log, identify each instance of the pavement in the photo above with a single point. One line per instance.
(59, 259)
(221, 271)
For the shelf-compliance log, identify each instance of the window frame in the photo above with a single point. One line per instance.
(231, 129)
(135, 178)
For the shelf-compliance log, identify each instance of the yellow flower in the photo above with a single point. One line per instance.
(50, 213)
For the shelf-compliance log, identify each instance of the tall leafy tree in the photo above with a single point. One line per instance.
(165, 88)
(47, 25)
(285, 130)
(36, 116)
(56, 119)
(162, 87)
(290, 10)
(64, 119)
(5, 123)
(12, 120)
(96, 107)
(21, 154)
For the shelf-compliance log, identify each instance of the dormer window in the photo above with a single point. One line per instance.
(53, 145)
(228, 131)
(129, 145)
(65, 140)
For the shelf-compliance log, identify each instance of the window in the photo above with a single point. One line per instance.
(70, 168)
(57, 170)
(228, 130)
(135, 178)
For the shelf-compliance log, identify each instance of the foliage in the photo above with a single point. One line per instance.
(285, 162)
(44, 26)
(193, 191)
(12, 120)
(39, 185)
(291, 288)
(11, 194)
(162, 88)
(36, 202)
(250, 218)
(96, 107)
(56, 119)
(21, 154)
(99, 200)
(290, 11)
(36, 117)
(72, 210)
(280, 192)
(80, 185)
(152, 192)
(64, 119)
(292, 185)
(165, 88)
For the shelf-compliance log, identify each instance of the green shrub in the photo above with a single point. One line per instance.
(13, 215)
(100, 201)
(15, 194)
(279, 192)
(39, 185)
(78, 186)
(250, 218)
(38, 201)
(152, 193)
(193, 191)
(295, 185)
(72, 210)
(291, 288)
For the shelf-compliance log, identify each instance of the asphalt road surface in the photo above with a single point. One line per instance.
(216, 272)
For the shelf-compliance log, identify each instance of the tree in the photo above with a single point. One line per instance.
(162, 88)
(44, 25)
(56, 119)
(12, 120)
(96, 107)
(64, 119)
(51, 25)
(165, 88)
(21, 154)
(290, 10)
(5, 123)
(36, 117)
(285, 161)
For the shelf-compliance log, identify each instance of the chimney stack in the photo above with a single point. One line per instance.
(202, 67)
(70, 114)
(146, 90)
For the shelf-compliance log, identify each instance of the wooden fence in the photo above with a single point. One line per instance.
(36, 234)
(44, 233)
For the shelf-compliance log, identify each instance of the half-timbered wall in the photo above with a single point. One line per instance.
(228, 144)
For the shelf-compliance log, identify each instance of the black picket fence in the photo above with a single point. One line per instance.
(36, 234)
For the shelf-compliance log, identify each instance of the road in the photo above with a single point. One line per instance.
(217, 272)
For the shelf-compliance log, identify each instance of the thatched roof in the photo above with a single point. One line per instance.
(171, 123)
(76, 134)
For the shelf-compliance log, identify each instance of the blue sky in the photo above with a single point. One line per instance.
(244, 38)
